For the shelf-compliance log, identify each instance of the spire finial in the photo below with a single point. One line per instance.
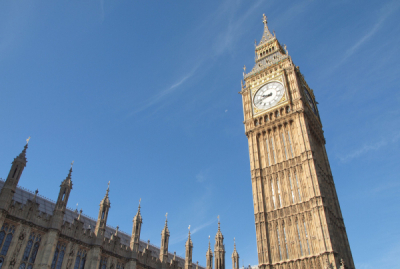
(34, 197)
(219, 225)
(108, 188)
(234, 244)
(27, 141)
(72, 163)
(264, 19)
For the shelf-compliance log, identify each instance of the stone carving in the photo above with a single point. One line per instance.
(17, 249)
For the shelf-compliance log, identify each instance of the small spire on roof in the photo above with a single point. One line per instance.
(27, 141)
(34, 197)
(80, 214)
(116, 231)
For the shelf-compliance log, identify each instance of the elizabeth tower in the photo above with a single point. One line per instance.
(298, 219)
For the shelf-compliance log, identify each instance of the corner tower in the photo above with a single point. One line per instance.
(297, 215)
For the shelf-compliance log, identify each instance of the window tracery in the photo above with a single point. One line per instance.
(6, 235)
(58, 256)
(31, 249)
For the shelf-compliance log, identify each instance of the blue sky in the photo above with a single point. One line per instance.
(145, 94)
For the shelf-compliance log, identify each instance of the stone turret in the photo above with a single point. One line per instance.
(164, 241)
(137, 226)
(189, 252)
(62, 200)
(209, 256)
(103, 215)
(219, 249)
(235, 256)
(8, 190)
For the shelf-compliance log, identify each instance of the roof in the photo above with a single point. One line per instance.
(47, 206)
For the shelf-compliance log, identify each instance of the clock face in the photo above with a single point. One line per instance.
(310, 101)
(268, 95)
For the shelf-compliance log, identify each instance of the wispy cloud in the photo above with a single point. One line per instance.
(369, 147)
(386, 11)
(164, 93)
(193, 230)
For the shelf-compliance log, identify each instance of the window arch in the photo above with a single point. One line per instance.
(31, 249)
(6, 235)
(80, 259)
(58, 256)
(103, 263)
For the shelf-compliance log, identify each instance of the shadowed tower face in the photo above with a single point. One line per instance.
(297, 215)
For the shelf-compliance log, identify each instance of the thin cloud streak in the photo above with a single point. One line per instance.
(387, 11)
(183, 237)
(164, 93)
(370, 147)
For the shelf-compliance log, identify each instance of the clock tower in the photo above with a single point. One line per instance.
(298, 219)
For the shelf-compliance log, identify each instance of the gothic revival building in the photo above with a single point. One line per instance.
(38, 233)
(298, 219)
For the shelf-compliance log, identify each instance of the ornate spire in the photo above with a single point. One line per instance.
(267, 34)
(106, 200)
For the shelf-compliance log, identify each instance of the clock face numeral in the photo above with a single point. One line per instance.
(268, 95)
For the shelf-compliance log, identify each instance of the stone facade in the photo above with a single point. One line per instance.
(298, 219)
(38, 233)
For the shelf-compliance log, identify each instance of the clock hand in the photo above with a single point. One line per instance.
(268, 95)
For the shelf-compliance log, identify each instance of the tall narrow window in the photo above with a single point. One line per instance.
(266, 143)
(103, 263)
(15, 171)
(279, 244)
(286, 246)
(284, 145)
(290, 143)
(273, 149)
(102, 214)
(298, 186)
(273, 193)
(6, 235)
(291, 188)
(80, 259)
(120, 265)
(31, 249)
(305, 230)
(58, 256)
(298, 234)
(279, 193)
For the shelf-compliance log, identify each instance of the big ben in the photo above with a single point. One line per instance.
(298, 219)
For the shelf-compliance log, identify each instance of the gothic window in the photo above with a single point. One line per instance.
(256, 122)
(273, 194)
(15, 171)
(286, 246)
(58, 256)
(290, 143)
(31, 249)
(284, 145)
(298, 186)
(266, 143)
(6, 235)
(273, 149)
(120, 265)
(298, 234)
(103, 263)
(305, 230)
(80, 259)
(279, 244)
(279, 193)
(291, 188)
(102, 214)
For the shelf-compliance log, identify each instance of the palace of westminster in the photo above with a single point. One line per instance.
(297, 215)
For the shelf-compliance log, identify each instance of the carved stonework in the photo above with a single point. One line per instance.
(18, 247)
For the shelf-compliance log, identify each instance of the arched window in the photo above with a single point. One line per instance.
(103, 263)
(102, 214)
(80, 259)
(6, 235)
(120, 265)
(30, 252)
(58, 256)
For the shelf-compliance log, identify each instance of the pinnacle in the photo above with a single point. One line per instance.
(267, 34)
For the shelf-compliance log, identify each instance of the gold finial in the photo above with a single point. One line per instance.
(244, 68)
(72, 163)
(166, 218)
(189, 228)
(140, 199)
(218, 218)
(108, 185)
(27, 141)
(264, 19)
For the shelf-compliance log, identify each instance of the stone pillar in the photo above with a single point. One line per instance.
(46, 252)
(93, 258)
(131, 264)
